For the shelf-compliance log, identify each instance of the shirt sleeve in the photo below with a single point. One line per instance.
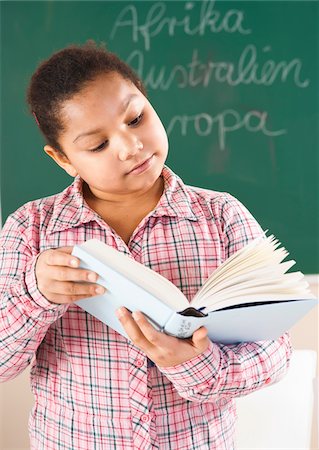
(230, 370)
(25, 314)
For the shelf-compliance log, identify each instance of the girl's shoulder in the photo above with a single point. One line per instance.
(209, 195)
(200, 200)
(213, 203)
(39, 212)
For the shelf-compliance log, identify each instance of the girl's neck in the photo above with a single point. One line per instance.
(124, 216)
(136, 200)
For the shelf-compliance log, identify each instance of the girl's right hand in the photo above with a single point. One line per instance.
(61, 281)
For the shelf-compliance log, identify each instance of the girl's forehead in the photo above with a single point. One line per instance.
(104, 88)
(107, 94)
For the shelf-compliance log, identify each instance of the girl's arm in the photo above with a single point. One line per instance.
(230, 371)
(25, 314)
(203, 371)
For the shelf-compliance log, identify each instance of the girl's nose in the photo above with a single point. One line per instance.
(129, 148)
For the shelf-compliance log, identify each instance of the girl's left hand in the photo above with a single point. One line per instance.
(163, 350)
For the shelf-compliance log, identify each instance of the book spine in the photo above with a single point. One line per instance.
(183, 326)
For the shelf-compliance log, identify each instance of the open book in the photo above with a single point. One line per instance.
(249, 297)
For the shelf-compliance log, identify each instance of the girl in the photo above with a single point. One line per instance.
(93, 388)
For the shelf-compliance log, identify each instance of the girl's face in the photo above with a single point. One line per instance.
(113, 138)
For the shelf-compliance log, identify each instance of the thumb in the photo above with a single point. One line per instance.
(200, 339)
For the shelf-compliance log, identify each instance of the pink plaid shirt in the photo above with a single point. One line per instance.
(93, 388)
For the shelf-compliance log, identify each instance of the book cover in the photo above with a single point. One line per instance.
(250, 297)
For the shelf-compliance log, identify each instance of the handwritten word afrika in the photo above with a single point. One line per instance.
(197, 73)
(209, 20)
(226, 122)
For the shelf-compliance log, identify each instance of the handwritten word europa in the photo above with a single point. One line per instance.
(246, 71)
(156, 20)
(226, 122)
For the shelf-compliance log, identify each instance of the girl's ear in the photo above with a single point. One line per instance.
(61, 160)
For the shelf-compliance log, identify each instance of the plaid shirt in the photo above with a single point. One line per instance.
(93, 388)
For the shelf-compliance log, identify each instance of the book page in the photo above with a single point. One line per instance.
(255, 273)
(213, 286)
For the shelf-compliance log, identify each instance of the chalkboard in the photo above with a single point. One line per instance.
(235, 84)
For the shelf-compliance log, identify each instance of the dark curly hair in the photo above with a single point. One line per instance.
(63, 75)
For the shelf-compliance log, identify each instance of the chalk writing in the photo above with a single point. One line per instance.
(251, 66)
(209, 20)
(226, 122)
(195, 73)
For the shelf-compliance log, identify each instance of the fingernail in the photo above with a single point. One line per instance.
(92, 277)
(74, 262)
(100, 290)
(120, 312)
(137, 315)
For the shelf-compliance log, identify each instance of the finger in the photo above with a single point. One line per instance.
(70, 288)
(200, 338)
(67, 249)
(61, 257)
(61, 273)
(151, 334)
(64, 299)
(132, 329)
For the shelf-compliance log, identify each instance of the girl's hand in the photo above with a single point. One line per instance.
(163, 350)
(61, 281)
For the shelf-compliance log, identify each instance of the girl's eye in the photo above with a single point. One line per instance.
(99, 148)
(137, 120)
(102, 146)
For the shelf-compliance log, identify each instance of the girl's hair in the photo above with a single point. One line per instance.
(65, 74)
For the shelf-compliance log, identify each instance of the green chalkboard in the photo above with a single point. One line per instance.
(235, 84)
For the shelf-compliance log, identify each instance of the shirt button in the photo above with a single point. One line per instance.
(145, 418)
(268, 381)
(139, 363)
(223, 402)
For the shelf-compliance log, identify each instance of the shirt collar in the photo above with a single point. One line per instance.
(176, 200)
(71, 210)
